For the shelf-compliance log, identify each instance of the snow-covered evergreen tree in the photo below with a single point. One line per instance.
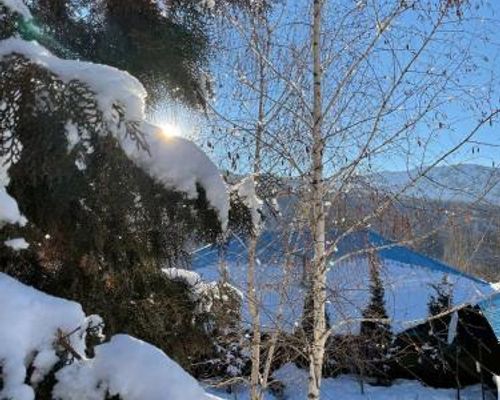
(375, 329)
(108, 198)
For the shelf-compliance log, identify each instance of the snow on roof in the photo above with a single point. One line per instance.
(175, 162)
(407, 278)
(491, 310)
(17, 6)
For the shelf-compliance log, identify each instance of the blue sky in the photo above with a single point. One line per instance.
(484, 150)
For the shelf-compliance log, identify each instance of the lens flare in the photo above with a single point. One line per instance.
(170, 130)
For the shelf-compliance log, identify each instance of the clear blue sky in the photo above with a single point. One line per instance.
(486, 147)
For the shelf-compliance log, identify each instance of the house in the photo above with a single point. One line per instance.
(467, 328)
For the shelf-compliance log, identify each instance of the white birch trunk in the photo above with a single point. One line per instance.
(253, 307)
(255, 377)
(318, 270)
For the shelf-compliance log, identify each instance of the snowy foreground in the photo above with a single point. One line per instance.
(37, 329)
(348, 388)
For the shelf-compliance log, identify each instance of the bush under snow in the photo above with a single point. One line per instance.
(130, 368)
(30, 322)
(37, 329)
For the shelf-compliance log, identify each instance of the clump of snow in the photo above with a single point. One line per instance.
(246, 192)
(208, 4)
(190, 278)
(17, 6)
(71, 135)
(130, 368)
(202, 292)
(110, 85)
(9, 210)
(17, 244)
(179, 164)
(30, 322)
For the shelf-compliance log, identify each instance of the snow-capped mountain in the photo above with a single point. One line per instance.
(461, 183)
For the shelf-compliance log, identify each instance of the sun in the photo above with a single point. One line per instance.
(169, 130)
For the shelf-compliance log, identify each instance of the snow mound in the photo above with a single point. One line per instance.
(33, 327)
(17, 6)
(30, 322)
(130, 368)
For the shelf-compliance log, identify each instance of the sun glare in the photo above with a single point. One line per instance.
(170, 130)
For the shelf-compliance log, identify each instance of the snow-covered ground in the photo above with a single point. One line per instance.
(348, 388)
(407, 278)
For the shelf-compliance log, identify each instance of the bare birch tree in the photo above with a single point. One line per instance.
(364, 85)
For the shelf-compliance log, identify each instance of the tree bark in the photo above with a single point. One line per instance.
(253, 304)
(253, 307)
(318, 270)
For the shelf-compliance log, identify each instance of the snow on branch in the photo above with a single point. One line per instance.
(179, 164)
(202, 292)
(176, 163)
(246, 190)
(110, 85)
(17, 6)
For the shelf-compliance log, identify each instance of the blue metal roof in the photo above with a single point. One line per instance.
(270, 249)
(270, 245)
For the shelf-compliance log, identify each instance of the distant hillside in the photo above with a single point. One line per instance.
(457, 183)
(454, 212)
